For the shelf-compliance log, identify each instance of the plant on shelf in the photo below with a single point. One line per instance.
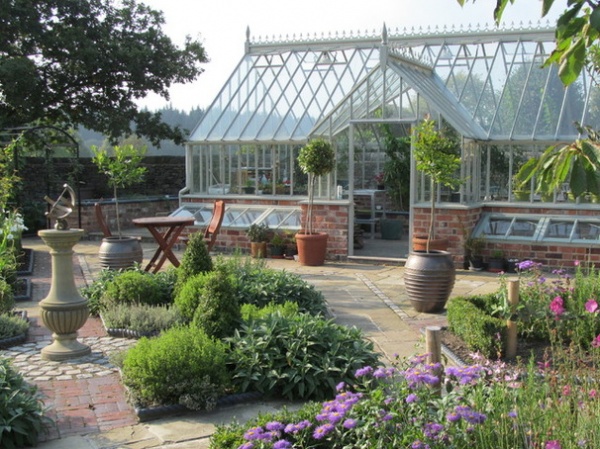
(317, 158)
(436, 156)
(122, 169)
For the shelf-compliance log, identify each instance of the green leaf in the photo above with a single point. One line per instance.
(595, 19)
(573, 62)
(546, 5)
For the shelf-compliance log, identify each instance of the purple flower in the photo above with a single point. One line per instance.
(363, 371)
(411, 398)
(322, 431)
(274, 426)
(418, 444)
(591, 306)
(340, 386)
(349, 424)
(295, 428)
(512, 414)
(432, 430)
(246, 446)
(526, 265)
(596, 342)
(453, 417)
(254, 433)
(282, 444)
(557, 306)
(552, 444)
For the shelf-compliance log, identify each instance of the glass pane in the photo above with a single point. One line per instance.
(497, 226)
(523, 228)
(588, 231)
(559, 229)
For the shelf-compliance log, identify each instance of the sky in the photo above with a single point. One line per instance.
(221, 27)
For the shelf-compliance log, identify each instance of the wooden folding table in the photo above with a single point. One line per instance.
(165, 231)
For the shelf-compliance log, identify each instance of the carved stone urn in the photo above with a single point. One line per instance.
(64, 310)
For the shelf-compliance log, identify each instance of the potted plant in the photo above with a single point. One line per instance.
(122, 168)
(291, 249)
(497, 263)
(249, 187)
(277, 246)
(259, 236)
(396, 172)
(317, 158)
(429, 272)
(473, 247)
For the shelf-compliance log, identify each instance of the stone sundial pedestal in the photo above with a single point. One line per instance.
(64, 310)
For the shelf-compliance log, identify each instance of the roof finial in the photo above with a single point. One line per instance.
(247, 43)
(384, 35)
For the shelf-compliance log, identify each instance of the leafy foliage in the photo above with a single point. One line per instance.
(181, 366)
(141, 318)
(22, 417)
(196, 259)
(297, 357)
(250, 312)
(218, 311)
(261, 286)
(87, 62)
(7, 299)
(94, 292)
(11, 326)
(134, 287)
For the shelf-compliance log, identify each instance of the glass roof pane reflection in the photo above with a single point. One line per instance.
(497, 226)
(588, 231)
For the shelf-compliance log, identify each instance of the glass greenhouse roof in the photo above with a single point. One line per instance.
(488, 83)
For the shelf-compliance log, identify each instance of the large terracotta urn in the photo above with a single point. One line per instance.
(64, 310)
(312, 248)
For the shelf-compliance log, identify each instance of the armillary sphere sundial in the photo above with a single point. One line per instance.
(62, 207)
(64, 310)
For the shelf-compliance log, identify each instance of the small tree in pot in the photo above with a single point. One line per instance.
(122, 169)
(317, 158)
(429, 274)
(436, 156)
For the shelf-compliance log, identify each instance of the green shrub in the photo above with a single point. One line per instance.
(260, 286)
(94, 292)
(11, 326)
(22, 417)
(141, 317)
(469, 320)
(7, 298)
(181, 366)
(196, 259)
(250, 312)
(134, 287)
(297, 357)
(209, 299)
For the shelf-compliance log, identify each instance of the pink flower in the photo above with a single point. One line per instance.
(596, 341)
(591, 306)
(557, 306)
(576, 263)
(593, 394)
(552, 444)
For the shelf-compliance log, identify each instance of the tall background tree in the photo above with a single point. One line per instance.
(86, 62)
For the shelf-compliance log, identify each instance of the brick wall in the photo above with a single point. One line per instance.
(328, 216)
(452, 221)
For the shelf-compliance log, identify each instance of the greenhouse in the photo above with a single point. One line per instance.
(365, 93)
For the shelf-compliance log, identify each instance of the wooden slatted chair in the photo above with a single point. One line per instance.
(101, 221)
(211, 232)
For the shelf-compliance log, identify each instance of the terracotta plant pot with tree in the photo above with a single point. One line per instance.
(122, 168)
(317, 158)
(429, 273)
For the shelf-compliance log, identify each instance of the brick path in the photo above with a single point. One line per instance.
(82, 399)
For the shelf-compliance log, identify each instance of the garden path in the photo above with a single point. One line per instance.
(89, 403)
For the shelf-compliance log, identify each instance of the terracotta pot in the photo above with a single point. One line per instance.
(311, 248)
(258, 250)
(429, 279)
(120, 252)
(419, 243)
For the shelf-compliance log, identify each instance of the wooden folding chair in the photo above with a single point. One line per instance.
(101, 221)
(211, 232)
